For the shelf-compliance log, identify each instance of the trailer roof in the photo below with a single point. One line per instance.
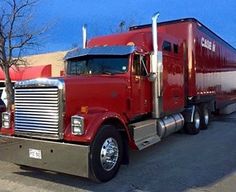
(180, 21)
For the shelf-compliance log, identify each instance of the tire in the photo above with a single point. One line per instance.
(107, 138)
(204, 116)
(193, 128)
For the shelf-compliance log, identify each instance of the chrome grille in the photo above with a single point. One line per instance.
(37, 112)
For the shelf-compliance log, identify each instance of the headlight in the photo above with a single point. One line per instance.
(6, 124)
(6, 118)
(77, 125)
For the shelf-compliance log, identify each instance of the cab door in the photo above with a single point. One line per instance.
(140, 86)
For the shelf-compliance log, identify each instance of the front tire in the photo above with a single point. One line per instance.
(106, 153)
(193, 128)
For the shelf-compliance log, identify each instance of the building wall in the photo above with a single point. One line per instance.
(56, 59)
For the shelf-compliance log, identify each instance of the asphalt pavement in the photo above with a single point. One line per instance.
(203, 162)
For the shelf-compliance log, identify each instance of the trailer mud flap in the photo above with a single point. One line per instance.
(188, 114)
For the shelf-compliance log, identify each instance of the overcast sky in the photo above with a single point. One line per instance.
(66, 17)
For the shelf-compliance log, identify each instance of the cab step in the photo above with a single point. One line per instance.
(145, 133)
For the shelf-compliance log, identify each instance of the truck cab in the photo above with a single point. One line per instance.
(123, 64)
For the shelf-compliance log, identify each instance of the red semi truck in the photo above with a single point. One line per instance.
(121, 91)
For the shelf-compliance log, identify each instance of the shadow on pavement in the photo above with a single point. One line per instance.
(179, 163)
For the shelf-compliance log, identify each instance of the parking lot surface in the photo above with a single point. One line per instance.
(204, 162)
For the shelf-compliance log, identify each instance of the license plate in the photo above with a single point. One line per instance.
(35, 154)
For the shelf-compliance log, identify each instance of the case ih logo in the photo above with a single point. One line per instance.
(208, 44)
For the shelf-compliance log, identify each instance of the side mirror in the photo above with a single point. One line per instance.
(152, 77)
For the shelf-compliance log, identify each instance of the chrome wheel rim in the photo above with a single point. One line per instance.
(206, 117)
(109, 154)
(197, 120)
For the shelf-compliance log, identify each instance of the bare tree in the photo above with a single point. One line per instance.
(17, 34)
(123, 26)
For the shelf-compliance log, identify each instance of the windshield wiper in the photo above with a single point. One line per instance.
(107, 73)
(112, 72)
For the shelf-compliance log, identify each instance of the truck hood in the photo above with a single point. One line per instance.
(98, 93)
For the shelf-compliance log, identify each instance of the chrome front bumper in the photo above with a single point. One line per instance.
(54, 156)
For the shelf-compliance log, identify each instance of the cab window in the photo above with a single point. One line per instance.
(139, 65)
(166, 46)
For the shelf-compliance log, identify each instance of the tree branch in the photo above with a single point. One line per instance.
(16, 36)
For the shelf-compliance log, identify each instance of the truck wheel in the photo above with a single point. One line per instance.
(106, 153)
(205, 116)
(193, 128)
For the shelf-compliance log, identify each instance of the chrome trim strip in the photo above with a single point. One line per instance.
(36, 124)
(40, 100)
(39, 90)
(38, 129)
(38, 114)
(40, 82)
(50, 106)
(35, 118)
(43, 135)
(50, 111)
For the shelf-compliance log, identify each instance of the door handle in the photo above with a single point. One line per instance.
(136, 79)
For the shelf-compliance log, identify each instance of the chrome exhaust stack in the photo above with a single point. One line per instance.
(84, 33)
(154, 33)
(156, 69)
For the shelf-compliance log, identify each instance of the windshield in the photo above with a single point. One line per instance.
(98, 65)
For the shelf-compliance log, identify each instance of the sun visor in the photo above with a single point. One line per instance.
(106, 50)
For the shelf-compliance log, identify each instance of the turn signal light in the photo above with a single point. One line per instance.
(84, 109)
